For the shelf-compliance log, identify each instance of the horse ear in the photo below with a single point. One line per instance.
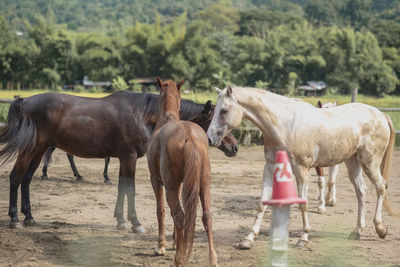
(335, 102)
(229, 90)
(219, 91)
(159, 82)
(207, 107)
(179, 85)
(319, 104)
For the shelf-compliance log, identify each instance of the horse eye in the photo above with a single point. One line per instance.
(223, 111)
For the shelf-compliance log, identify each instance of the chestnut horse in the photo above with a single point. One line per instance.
(118, 125)
(178, 160)
(330, 198)
(357, 134)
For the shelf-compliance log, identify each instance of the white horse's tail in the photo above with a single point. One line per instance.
(386, 166)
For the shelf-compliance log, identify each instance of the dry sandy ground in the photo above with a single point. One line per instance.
(77, 228)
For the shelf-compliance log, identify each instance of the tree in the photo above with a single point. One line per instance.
(15, 58)
(357, 12)
(99, 56)
(196, 58)
(354, 60)
(220, 17)
(323, 12)
(54, 58)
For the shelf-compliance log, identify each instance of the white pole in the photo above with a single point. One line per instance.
(279, 236)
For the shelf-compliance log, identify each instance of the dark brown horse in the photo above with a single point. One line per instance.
(198, 113)
(118, 125)
(178, 160)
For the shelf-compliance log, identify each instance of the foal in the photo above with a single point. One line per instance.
(178, 160)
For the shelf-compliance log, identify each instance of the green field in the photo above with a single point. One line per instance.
(388, 101)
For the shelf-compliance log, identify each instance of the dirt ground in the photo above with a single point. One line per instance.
(77, 228)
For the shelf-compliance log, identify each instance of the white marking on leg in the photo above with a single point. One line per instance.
(355, 175)
(331, 192)
(321, 198)
(302, 187)
(265, 195)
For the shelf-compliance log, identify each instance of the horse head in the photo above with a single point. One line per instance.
(228, 144)
(227, 116)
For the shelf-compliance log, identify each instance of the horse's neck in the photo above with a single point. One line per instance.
(189, 110)
(166, 117)
(266, 111)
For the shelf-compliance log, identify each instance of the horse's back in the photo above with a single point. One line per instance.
(181, 132)
(335, 134)
(170, 146)
(87, 127)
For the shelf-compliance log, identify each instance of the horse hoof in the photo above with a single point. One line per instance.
(354, 236)
(159, 251)
(30, 222)
(138, 229)
(44, 177)
(330, 202)
(15, 225)
(321, 210)
(381, 230)
(122, 226)
(246, 244)
(79, 178)
(302, 243)
(107, 181)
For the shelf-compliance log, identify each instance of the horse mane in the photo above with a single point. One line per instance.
(189, 109)
(261, 91)
(147, 105)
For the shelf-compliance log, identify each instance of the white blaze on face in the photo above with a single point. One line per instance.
(215, 126)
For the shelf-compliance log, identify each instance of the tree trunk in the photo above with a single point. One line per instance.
(247, 138)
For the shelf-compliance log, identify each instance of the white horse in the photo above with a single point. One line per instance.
(330, 198)
(357, 134)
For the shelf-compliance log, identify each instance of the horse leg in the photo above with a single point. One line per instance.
(331, 193)
(321, 186)
(173, 234)
(205, 198)
(105, 172)
(355, 175)
(248, 241)
(16, 176)
(159, 193)
(73, 167)
(301, 174)
(119, 206)
(46, 162)
(26, 181)
(179, 221)
(128, 168)
(372, 170)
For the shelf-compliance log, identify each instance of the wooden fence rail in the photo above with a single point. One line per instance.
(3, 100)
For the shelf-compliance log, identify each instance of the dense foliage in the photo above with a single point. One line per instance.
(265, 43)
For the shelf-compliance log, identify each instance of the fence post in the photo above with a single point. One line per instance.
(354, 93)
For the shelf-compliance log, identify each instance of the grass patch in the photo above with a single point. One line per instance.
(9, 94)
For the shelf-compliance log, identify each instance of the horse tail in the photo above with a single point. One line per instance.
(20, 133)
(190, 194)
(47, 157)
(386, 166)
